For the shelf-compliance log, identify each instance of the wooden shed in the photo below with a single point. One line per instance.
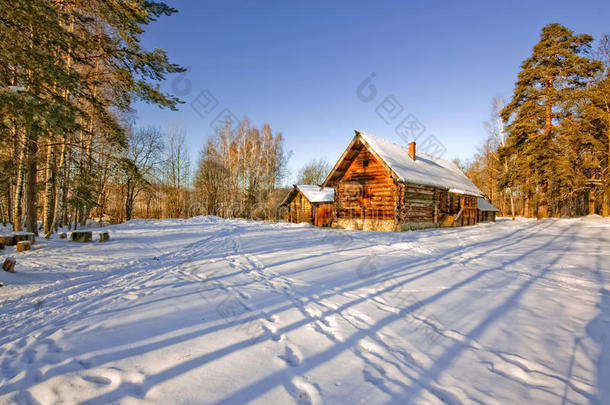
(308, 203)
(486, 210)
(382, 186)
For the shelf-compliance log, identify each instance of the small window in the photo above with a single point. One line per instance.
(365, 163)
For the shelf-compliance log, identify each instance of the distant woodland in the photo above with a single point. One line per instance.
(69, 153)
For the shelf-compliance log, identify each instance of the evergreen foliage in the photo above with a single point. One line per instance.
(553, 157)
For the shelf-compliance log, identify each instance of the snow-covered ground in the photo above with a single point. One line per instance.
(217, 311)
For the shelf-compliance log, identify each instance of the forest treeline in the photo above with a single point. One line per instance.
(548, 150)
(70, 71)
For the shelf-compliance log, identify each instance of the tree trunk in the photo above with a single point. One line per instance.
(18, 200)
(49, 186)
(527, 206)
(525, 189)
(9, 201)
(542, 205)
(66, 188)
(592, 201)
(3, 214)
(12, 183)
(128, 201)
(59, 190)
(102, 206)
(606, 201)
(61, 193)
(512, 202)
(88, 169)
(31, 190)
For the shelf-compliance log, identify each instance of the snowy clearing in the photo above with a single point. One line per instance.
(216, 311)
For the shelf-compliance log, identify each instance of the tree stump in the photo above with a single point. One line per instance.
(81, 236)
(9, 265)
(25, 236)
(8, 240)
(63, 235)
(104, 236)
(23, 245)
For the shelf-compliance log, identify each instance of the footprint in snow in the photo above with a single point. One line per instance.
(327, 327)
(85, 363)
(29, 356)
(98, 380)
(328, 305)
(373, 374)
(271, 330)
(291, 356)
(51, 346)
(304, 392)
(366, 346)
(21, 343)
(357, 319)
(313, 312)
(243, 295)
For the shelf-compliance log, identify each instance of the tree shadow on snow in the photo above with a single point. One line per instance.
(599, 330)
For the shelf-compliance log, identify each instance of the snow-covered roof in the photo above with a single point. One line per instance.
(484, 205)
(425, 169)
(315, 194)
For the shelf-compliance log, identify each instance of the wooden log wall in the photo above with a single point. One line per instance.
(487, 216)
(366, 191)
(443, 206)
(300, 209)
(417, 204)
(454, 203)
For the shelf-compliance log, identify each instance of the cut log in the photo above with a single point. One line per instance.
(9, 265)
(23, 245)
(8, 240)
(81, 236)
(25, 236)
(104, 236)
(63, 235)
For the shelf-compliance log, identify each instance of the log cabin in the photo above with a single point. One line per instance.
(381, 186)
(308, 203)
(486, 210)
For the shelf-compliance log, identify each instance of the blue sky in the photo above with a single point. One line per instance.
(297, 66)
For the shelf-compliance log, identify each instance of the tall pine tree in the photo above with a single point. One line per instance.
(544, 119)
